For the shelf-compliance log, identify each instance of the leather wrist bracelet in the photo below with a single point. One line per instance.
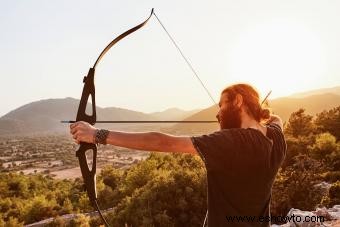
(101, 136)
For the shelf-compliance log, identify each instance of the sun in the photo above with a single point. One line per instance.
(282, 56)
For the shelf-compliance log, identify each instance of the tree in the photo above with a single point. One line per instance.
(81, 220)
(13, 222)
(295, 187)
(325, 144)
(295, 147)
(164, 190)
(67, 206)
(18, 187)
(111, 176)
(57, 222)
(327, 150)
(39, 209)
(299, 124)
(84, 203)
(329, 121)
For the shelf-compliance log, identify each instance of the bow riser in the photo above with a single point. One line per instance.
(88, 90)
(89, 175)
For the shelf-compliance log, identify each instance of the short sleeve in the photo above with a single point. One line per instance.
(280, 145)
(274, 125)
(213, 147)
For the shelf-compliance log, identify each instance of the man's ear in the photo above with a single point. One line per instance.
(238, 100)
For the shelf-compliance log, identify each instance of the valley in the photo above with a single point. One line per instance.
(55, 156)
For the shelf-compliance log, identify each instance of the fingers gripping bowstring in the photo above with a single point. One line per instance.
(185, 58)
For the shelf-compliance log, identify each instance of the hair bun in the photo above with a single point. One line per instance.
(265, 113)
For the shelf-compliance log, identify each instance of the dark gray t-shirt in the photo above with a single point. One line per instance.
(241, 166)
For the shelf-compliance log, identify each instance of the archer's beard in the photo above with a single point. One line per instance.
(231, 118)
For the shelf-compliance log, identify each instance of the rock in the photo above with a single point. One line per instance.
(320, 217)
(284, 225)
(335, 212)
(324, 186)
(300, 218)
(324, 213)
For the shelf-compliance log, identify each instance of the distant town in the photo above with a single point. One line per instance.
(55, 156)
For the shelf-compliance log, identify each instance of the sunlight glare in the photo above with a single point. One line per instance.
(285, 56)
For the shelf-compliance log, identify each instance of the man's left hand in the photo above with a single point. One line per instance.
(83, 132)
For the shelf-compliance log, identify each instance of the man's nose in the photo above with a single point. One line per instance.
(218, 116)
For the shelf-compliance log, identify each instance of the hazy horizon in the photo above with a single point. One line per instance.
(294, 95)
(47, 47)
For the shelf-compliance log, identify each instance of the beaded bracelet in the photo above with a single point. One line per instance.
(100, 136)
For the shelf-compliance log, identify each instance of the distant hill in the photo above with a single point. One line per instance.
(284, 106)
(44, 116)
(173, 114)
(332, 90)
(313, 104)
(280, 106)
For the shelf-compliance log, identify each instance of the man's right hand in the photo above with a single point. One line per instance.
(276, 120)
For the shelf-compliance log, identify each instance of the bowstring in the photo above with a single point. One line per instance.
(190, 65)
(192, 69)
(100, 213)
(185, 58)
(196, 75)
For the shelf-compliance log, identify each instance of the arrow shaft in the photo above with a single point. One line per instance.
(136, 122)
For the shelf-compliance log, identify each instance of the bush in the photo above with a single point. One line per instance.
(295, 187)
(299, 124)
(333, 197)
(329, 121)
(325, 144)
(57, 222)
(175, 195)
(295, 147)
(332, 176)
(334, 194)
(81, 220)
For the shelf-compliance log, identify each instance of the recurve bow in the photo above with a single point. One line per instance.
(89, 175)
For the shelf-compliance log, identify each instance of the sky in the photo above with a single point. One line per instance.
(47, 47)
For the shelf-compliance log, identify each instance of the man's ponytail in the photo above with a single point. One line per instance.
(251, 100)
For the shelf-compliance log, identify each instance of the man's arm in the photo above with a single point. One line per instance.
(148, 141)
(151, 141)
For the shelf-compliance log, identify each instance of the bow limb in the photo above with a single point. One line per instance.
(121, 36)
(89, 175)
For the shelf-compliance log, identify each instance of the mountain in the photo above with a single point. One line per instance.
(39, 116)
(312, 101)
(332, 90)
(281, 106)
(208, 114)
(173, 114)
(44, 116)
(313, 104)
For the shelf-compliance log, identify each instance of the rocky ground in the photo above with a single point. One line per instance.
(331, 217)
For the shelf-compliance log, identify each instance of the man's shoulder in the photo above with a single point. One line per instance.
(228, 134)
(275, 125)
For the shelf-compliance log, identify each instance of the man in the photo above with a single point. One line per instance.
(242, 159)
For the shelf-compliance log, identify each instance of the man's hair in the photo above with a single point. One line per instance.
(251, 100)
